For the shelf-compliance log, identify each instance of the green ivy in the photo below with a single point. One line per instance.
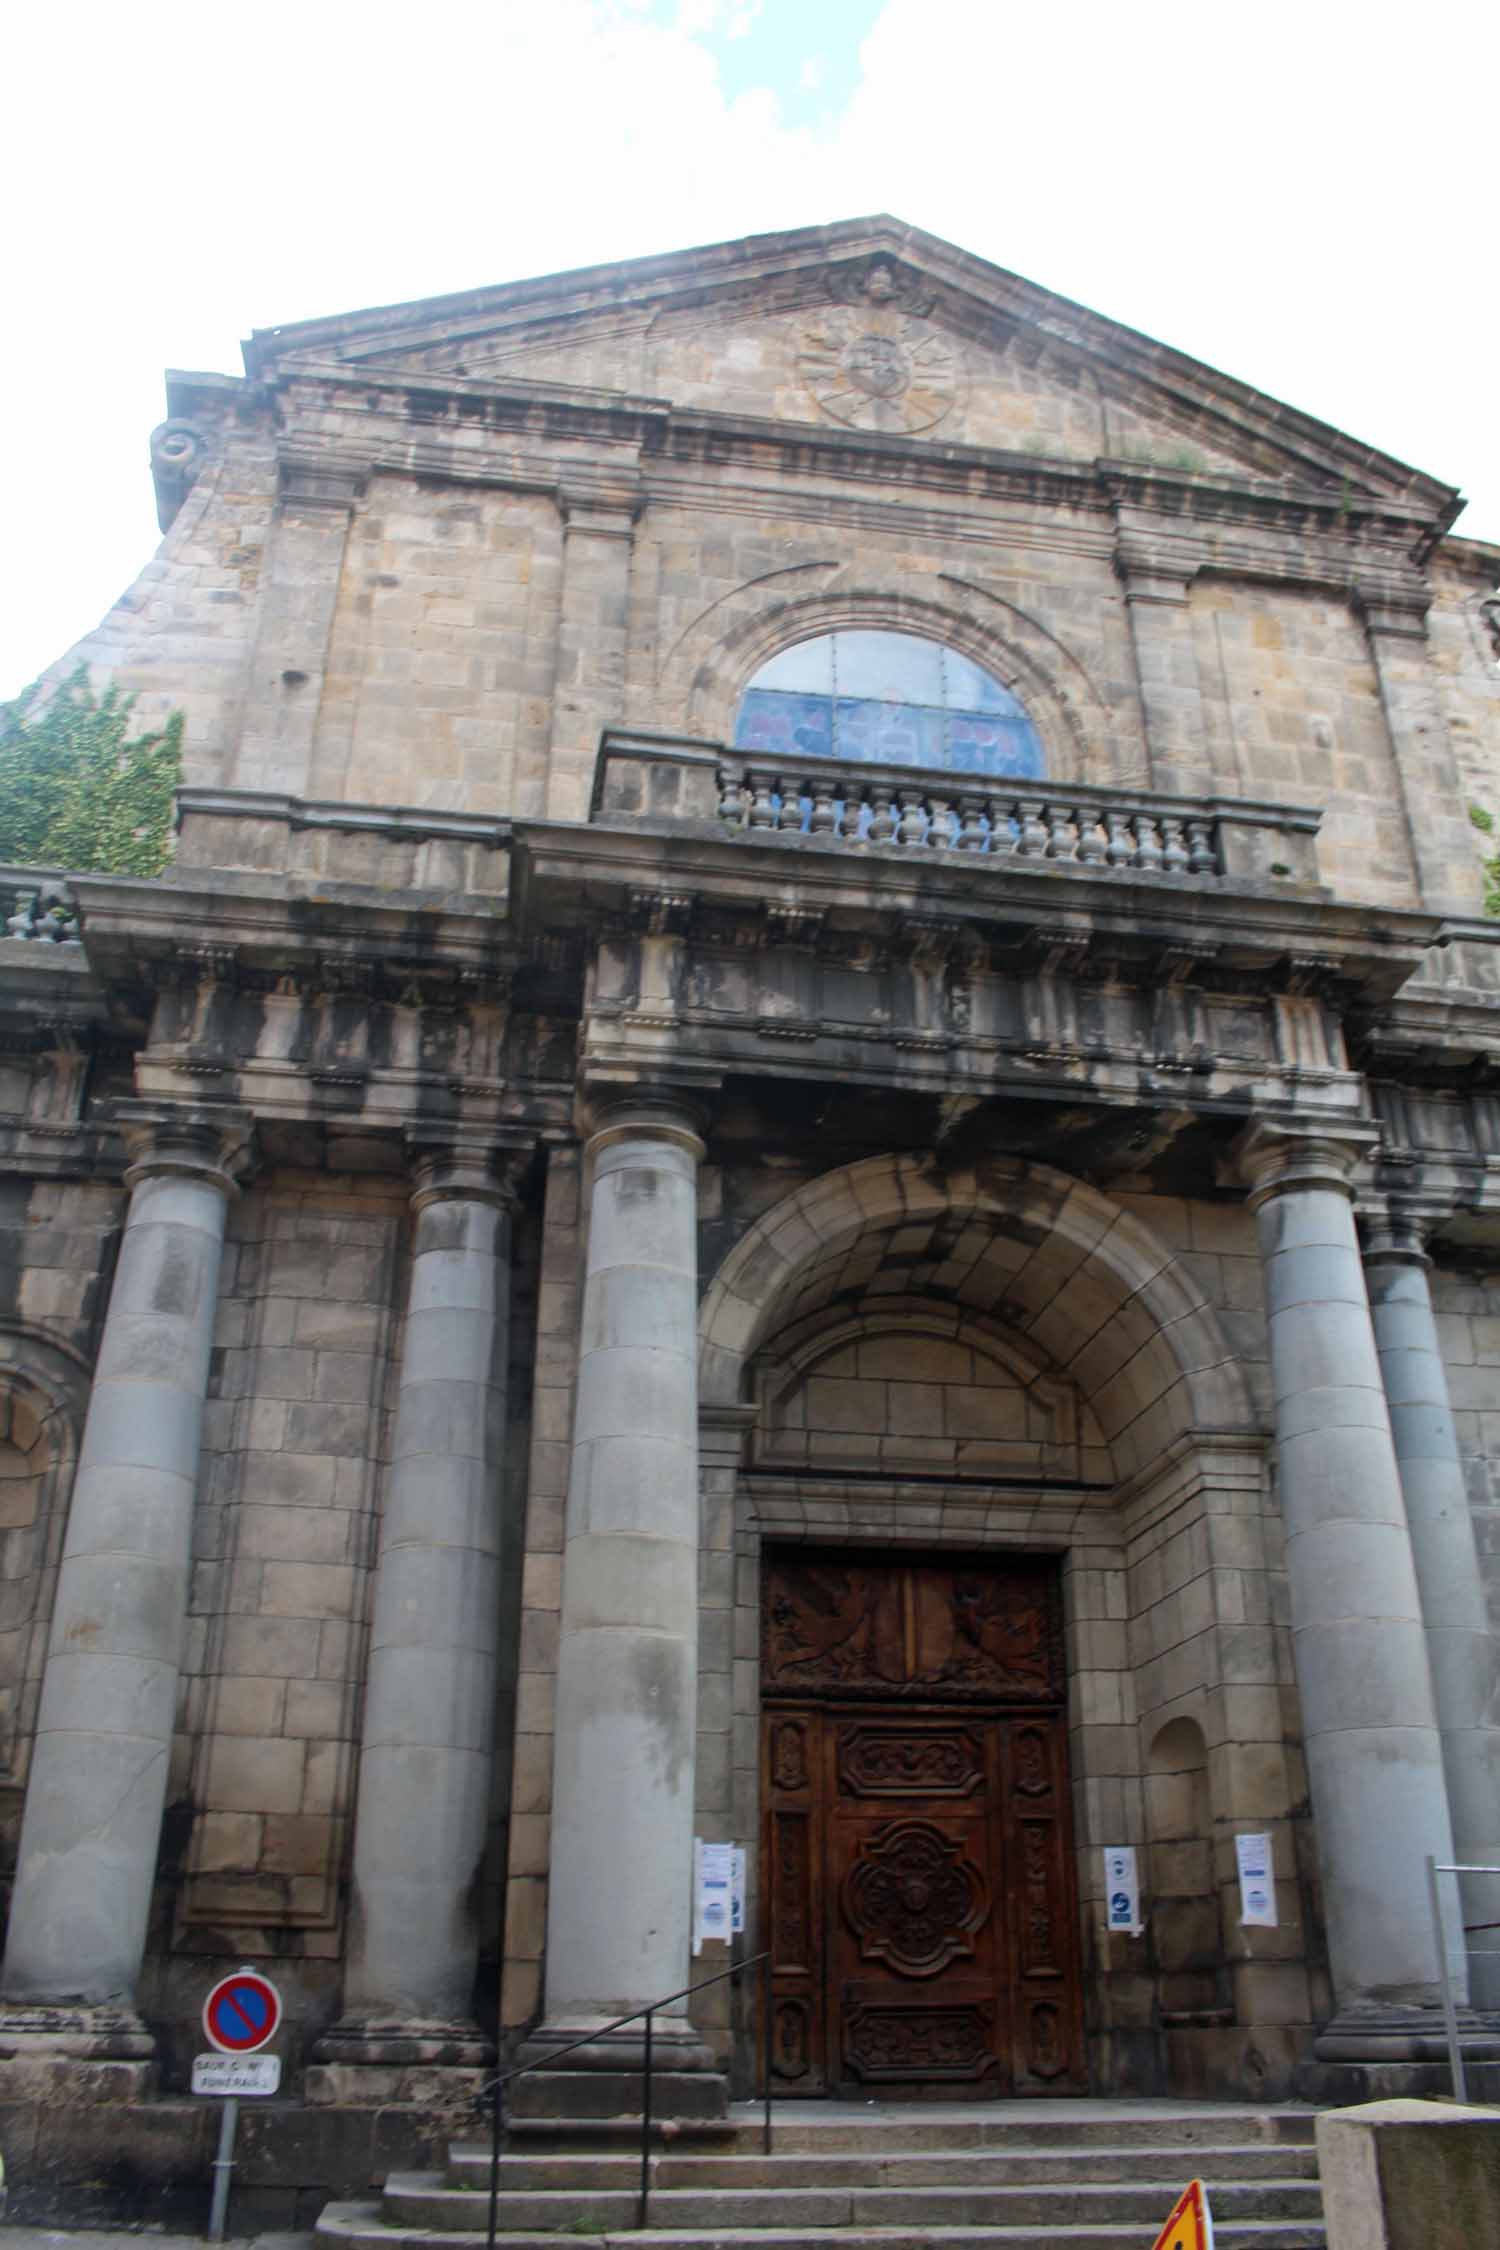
(77, 790)
(1484, 821)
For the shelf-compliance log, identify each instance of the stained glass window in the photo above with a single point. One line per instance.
(887, 699)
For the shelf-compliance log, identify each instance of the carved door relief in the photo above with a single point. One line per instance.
(918, 1862)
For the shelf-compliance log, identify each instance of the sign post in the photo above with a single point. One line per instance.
(241, 2015)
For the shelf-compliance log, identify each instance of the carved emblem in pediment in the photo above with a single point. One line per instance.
(875, 367)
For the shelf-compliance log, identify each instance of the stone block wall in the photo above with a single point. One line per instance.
(296, 1433)
(442, 652)
(1289, 688)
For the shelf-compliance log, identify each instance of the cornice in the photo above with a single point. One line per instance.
(1242, 921)
(521, 436)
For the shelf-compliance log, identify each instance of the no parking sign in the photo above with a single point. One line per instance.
(242, 2013)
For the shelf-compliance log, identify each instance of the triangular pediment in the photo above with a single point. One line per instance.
(869, 326)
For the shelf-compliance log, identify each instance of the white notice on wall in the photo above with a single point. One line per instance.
(1122, 1890)
(1257, 1882)
(712, 1894)
(737, 1891)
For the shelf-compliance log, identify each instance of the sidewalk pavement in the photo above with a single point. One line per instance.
(136, 2238)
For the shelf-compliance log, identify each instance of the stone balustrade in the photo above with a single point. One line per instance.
(35, 903)
(831, 803)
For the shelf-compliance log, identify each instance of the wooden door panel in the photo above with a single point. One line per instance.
(1046, 2018)
(917, 1859)
(793, 1880)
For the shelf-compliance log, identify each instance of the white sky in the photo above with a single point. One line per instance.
(1301, 194)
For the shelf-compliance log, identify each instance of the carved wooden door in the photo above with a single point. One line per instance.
(917, 1857)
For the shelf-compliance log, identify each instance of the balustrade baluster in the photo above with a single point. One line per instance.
(1174, 856)
(1120, 849)
(825, 816)
(970, 837)
(1032, 838)
(882, 819)
(1060, 828)
(1090, 838)
(1005, 823)
(731, 797)
(912, 819)
(762, 810)
(1148, 849)
(1203, 859)
(942, 828)
(789, 814)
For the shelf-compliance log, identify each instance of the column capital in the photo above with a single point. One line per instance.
(1153, 571)
(467, 1168)
(1280, 1156)
(1396, 606)
(1394, 1234)
(602, 499)
(196, 1141)
(649, 1113)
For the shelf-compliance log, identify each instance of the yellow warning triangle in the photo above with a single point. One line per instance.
(1189, 2227)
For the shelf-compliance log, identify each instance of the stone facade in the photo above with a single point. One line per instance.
(532, 1152)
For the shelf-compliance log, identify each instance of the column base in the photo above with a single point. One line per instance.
(1404, 2035)
(603, 2079)
(63, 2056)
(419, 2062)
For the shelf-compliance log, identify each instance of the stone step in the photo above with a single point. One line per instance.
(422, 2201)
(805, 2128)
(802, 2129)
(359, 2226)
(894, 2167)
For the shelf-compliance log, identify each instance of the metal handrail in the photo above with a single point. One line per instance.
(495, 2088)
(1435, 1868)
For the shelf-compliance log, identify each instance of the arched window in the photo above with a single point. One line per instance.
(887, 699)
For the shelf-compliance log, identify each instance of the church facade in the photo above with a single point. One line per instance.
(804, 1152)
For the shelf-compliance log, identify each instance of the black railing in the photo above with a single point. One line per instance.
(495, 2090)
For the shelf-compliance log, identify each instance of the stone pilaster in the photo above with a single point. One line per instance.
(427, 1753)
(619, 1916)
(1446, 866)
(299, 595)
(89, 1838)
(1374, 1755)
(1156, 581)
(599, 509)
(1460, 1650)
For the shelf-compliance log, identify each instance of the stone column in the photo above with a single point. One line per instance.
(619, 1910)
(1459, 1648)
(426, 1757)
(89, 1838)
(1374, 1756)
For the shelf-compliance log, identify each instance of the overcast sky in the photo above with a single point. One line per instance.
(1303, 195)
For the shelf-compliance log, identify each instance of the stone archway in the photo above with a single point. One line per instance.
(1091, 1300)
(1066, 1268)
(42, 1394)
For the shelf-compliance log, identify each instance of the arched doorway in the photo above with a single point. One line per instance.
(964, 1375)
